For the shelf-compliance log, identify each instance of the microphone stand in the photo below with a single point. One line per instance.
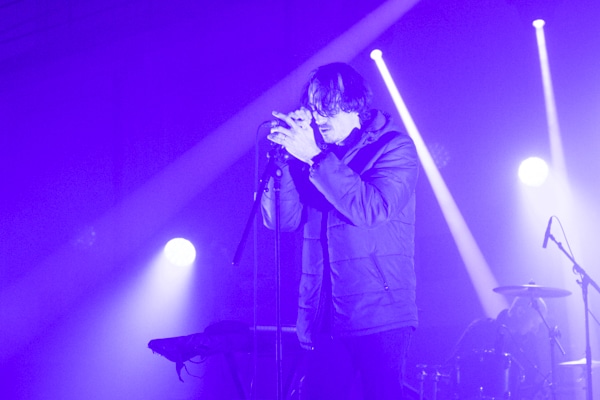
(585, 281)
(278, 335)
(274, 171)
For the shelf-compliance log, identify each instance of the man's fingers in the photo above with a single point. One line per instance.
(276, 138)
(285, 118)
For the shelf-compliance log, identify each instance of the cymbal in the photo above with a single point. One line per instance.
(581, 362)
(532, 290)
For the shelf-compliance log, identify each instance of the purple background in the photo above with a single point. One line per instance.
(106, 115)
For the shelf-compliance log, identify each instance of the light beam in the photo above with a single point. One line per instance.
(477, 267)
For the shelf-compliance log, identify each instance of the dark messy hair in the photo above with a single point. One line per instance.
(337, 86)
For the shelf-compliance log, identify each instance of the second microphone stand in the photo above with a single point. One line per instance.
(585, 281)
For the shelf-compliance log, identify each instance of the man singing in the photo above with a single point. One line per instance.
(350, 184)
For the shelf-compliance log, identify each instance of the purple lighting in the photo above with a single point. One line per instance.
(180, 252)
(120, 130)
(533, 171)
(479, 271)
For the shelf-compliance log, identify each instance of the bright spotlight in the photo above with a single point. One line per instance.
(180, 252)
(477, 267)
(539, 23)
(533, 171)
(376, 54)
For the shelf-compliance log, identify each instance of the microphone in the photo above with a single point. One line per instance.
(547, 234)
(278, 153)
(272, 123)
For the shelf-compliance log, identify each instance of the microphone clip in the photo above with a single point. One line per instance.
(278, 154)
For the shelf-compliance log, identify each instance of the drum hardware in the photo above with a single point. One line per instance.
(577, 381)
(535, 291)
(433, 374)
(582, 362)
(532, 290)
(487, 375)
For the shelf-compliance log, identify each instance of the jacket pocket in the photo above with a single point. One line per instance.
(384, 281)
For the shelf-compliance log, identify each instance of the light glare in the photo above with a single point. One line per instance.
(539, 23)
(180, 252)
(376, 54)
(533, 171)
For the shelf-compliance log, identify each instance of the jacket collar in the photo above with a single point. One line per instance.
(373, 128)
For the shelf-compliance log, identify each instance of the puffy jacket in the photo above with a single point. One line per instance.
(358, 216)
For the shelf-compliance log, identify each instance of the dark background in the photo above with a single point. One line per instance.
(124, 123)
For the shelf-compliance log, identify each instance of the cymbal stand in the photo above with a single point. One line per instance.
(553, 335)
(433, 375)
(585, 281)
(421, 377)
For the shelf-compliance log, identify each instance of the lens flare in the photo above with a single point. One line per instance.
(539, 23)
(376, 54)
(533, 171)
(180, 252)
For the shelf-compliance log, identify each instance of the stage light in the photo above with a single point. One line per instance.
(559, 168)
(539, 23)
(180, 252)
(376, 54)
(533, 171)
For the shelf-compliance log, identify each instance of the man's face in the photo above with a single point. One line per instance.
(527, 320)
(334, 128)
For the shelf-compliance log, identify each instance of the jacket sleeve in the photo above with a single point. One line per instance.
(291, 207)
(380, 192)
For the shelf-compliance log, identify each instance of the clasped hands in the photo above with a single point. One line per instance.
(297, 135)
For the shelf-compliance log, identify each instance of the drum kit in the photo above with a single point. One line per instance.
(531, 290)
(492, 375)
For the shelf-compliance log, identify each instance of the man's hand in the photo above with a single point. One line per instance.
(298, 136)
